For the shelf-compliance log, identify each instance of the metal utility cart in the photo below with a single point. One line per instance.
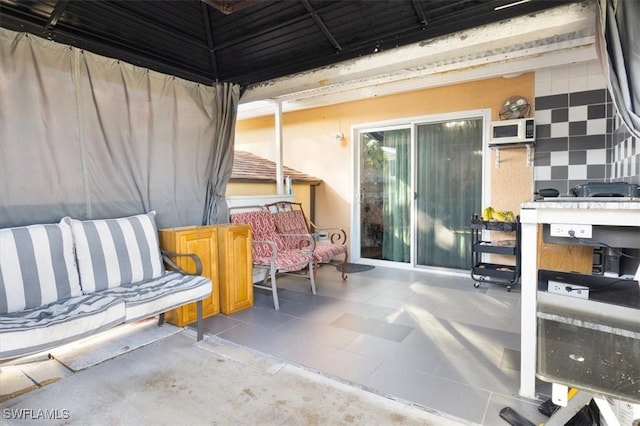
(494, 273)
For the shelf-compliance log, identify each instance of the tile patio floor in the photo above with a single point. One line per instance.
(427, 338)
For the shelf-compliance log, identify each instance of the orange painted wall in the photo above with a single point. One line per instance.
(309, 144)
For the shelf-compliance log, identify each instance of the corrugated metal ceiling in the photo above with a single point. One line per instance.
(259, 41)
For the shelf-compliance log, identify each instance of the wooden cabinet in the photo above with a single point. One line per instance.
(564, 257)
(225, 253)
(202, 241)
(235, 267)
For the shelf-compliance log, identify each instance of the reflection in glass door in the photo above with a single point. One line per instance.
(449, 190)
(385, 195)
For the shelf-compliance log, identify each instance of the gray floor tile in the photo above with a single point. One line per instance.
(423, 361)
(433, 392)
(306, 298)
(321, 333)
(259, 338)
(489, 341)
(333, 361)
(265, 318)
(355, 295)
(391, 290)
(458, 313)
(296, 309)
(363, 309)
(474, 369)
(374, 347)
(262, 298)
(501, 290)
(460, 356)
(435, 333)
(218, 323)
(372, 327)
(324, 314)
(387, 302)
(510, 360)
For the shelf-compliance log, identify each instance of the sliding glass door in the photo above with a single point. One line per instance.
(385, 195)
(419, 184)
(449, 190)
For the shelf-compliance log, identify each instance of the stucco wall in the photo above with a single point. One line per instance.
(310, 146)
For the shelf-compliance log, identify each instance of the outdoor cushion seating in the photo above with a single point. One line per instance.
(64, 281)
(289, 218)
(273, 251)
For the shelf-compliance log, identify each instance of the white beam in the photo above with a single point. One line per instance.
(279, 144)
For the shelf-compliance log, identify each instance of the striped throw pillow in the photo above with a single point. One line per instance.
(115, 252)
(37, 266)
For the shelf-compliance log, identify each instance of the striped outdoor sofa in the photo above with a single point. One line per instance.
(64, 281)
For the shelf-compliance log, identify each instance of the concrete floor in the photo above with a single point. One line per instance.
(176, 380)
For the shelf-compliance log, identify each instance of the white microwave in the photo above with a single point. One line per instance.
(520, 130)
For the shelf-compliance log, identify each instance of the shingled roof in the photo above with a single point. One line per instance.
(248, 167)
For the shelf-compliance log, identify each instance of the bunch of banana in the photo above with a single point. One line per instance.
(487, 213)
(491, 214)
(509, 216)
(500, 217)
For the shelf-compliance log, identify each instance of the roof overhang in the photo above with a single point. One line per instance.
(553, 37)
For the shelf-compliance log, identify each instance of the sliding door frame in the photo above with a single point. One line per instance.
(411, 123)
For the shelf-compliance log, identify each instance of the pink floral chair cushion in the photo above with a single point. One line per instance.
(290, 260)
(267, 242)
(292, 228)
(326, 252)
(293, 222)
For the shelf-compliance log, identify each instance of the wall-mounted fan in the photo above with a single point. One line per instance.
(514, 107)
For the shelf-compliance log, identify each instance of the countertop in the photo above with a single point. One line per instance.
(617, 203)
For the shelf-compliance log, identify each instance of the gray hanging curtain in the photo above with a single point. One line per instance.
(618, 39)
(93, 137)
(220, 164)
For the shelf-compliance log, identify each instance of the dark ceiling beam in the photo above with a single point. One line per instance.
(106, 47)
(57, 13)
(320, 23)
(259, 34)
(420, 11)
(210, 43)
(450, 5)
(128, 14)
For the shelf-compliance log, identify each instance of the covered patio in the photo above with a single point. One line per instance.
(420, 339)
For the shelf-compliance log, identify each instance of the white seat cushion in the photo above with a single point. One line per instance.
(162, 294)
(46, 327)
(115, 252)
(37, 266)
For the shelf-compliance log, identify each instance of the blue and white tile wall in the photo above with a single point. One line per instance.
(578, 136)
